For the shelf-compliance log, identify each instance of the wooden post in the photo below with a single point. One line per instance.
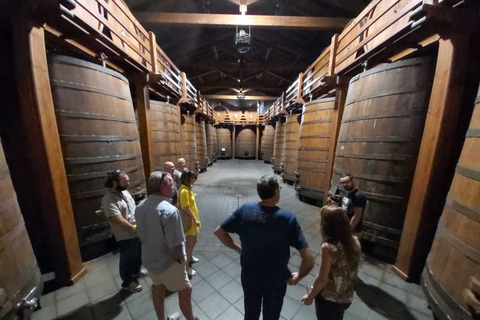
(233, 141)
(179, 113)
(333, 55)
(36, 103)
(144, 125)
(257, 144)
(426, 197)
(153, 52)
(340, 98)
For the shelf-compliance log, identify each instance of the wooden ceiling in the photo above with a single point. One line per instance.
(276, 56)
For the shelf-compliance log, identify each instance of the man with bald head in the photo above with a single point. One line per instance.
(169, 168)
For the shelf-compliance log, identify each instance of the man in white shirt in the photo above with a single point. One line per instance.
(163, 245)
(119, 208)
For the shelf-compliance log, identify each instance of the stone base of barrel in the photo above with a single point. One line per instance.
(310, 196)
(277, 170)
(223, 157)
(267, 161)
(245, 157)
(290, 179)
(202, 168)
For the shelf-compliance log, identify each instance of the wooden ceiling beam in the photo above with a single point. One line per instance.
(233, 20)
(234, 97)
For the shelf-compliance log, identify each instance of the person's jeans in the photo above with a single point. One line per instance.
(271, 295)
(329, 310)
(130, 259)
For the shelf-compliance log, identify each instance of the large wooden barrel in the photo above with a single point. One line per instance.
(214, 141)
(278, 146)
(245, 147)
(211, 142)
(201, 138)
(189, 143)
(290, 148)
(98, 133)
(268, 137)
(224, 141)
(314, 147)
(165, 133)
(19, 273)
(378, 144)
(455, 253)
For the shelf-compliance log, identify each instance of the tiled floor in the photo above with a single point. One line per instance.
(217, 293)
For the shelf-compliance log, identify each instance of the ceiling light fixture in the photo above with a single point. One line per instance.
(242, 40)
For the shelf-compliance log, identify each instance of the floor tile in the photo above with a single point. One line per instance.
(201, 291)
(110, 304)
(47, 312)
(230, 314)
(72, 303)
(103, 289)
(221, 260)
(47, 299)
(218, 279)
(290, 307)
(140, 306)
(233, 269)
(206, 269)
(214, 305)
(231, 291)
(70, 290)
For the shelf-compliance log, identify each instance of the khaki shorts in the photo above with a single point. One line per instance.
(175, 278)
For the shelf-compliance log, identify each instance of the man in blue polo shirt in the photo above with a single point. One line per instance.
(266, 234)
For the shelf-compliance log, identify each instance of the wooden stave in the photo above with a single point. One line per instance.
(315, 145)
(20, 273)
(278, 144)
(189, 142)
(165, 133)
(98, 133)
(201, 140)
(382, 229)
(455, 253)
(267, 141)
(245, 142)
(210, 130)
(290, 146)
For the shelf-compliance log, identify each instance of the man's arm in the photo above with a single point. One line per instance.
(357, 216)
(308, 261)
(226, 239)
(178, 252)
(122, 222)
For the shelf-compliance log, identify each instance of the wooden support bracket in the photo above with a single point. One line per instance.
(46, 155)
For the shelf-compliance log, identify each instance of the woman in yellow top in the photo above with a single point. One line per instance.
(186, 202)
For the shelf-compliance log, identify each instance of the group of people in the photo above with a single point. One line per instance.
(161, 232)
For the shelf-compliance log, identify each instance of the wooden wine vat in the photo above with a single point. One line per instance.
(19, 273)
(201, 139)
(266, 148)
(314, 147)
(378, 144)
(245, 144)
(278, 146)
(455, 253)
(165, 133)
(290, 148)
(189, 142)
(211, 142)
(98, 133)
(224, 141)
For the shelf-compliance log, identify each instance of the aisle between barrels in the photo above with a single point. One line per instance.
(217, 291)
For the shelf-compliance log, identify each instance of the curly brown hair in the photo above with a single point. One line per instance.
(335, 229)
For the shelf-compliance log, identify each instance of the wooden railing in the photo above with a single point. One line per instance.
(108, 30)
(380, 28)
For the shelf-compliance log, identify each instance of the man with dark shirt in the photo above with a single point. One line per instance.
(354, 202)
(266, 234)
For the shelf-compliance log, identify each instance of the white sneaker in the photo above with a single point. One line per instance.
(142, 273)
(194, 260)
(174, 316)
(191, 272)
